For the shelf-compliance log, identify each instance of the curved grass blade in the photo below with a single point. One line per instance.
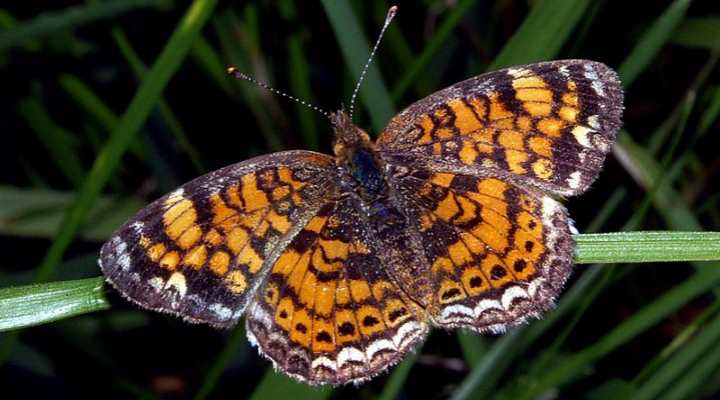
(94, 106)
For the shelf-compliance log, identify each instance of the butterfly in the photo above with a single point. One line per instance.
(342, 264)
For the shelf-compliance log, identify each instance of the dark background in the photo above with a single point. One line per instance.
(51, 135)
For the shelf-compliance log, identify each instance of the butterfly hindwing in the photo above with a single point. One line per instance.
(548, 125)
(200, 251)
(498, 254)
(329, 312)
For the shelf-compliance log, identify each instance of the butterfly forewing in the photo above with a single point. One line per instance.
(548, 125)
(200, 251)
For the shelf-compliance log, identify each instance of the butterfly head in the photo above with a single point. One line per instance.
(348, 137)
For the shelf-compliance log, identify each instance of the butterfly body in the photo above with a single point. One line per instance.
(341, 265)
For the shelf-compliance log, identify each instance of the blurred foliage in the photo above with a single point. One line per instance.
(109, 104)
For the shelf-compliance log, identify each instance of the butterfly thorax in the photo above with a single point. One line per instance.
(355, 154)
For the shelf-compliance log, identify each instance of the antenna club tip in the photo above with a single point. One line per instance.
(391, 14)
(231, 70)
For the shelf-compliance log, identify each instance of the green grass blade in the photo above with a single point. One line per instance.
(354, 46)
(695, 376)
(652, 41)
(140, 71)
(698, 33)
(30, 305)
(543, 32)
(243, 53)
(681, 361)
(438, 39)
(68, 19)
(59, 143)
(634, 247)
(38, 213)
(473, 346)
(232, 344)
(398, 376)
(94, 106)
(300, 83)
(479, 374)
(209, 60)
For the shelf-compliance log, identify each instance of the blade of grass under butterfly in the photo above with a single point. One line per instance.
(229, 350)
(543, 33)
(413, 72)
(614, 248)
(648, 247)
(276, 385)
(107, 161)
(68, 19)
(398, 376)
(354, 47)
(30, 305)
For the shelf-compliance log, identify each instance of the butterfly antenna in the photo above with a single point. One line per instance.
(235, 73)
(390, 15)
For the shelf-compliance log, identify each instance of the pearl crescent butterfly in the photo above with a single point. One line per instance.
(342, 264)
